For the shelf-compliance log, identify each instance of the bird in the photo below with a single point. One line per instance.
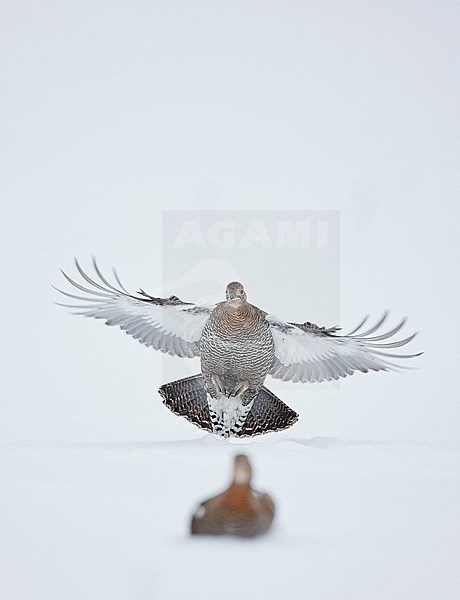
(239, 344)
(239, 511)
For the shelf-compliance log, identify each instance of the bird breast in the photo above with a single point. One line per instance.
(238, 341)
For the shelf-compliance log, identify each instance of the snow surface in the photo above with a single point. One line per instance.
(355, 519)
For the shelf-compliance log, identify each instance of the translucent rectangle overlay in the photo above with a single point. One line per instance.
(288, 262)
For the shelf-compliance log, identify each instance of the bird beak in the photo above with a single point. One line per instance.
(231, 296)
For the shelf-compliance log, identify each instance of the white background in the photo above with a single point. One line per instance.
(114, 111)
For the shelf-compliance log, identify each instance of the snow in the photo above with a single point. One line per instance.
(111, 520)
(113, 112)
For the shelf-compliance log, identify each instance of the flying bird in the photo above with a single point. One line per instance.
(239, 345)
(240, 510)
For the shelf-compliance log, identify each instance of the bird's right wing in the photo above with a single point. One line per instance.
(166, 324)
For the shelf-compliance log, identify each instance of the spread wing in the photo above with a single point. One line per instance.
(166, 324)
(305, 352)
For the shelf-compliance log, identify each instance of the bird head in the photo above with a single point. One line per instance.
(242, 471)
(235, 294)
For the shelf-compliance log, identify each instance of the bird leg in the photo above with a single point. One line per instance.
(247, 393)
(218, 385)
(239, 389)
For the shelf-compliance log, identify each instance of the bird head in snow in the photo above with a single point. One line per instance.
(235, 294)
(242, 470)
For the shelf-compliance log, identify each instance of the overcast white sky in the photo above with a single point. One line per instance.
(114, 111)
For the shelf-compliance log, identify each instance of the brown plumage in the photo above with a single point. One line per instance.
(239, 511)
(237, 352)
(237, 348)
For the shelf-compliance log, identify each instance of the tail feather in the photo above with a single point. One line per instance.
(268, 413)
(188, 398)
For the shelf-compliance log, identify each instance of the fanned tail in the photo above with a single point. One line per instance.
(188, 398)
(268, 413)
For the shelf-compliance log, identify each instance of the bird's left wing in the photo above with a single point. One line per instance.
(166, 324)
(305, 352)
